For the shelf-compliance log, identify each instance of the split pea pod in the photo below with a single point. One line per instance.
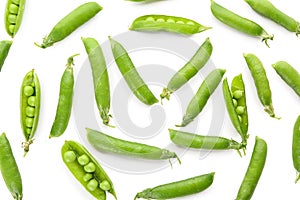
(296, 148)
(268, 10)
(30, 107)
(13, 16)
(70, 23)
(239, 23)
(130, 74)
(189, 70)
(179, 188)
(254, 170)
(9, 169)
(100, 77)
(289, 74)
(167, 23)
(106, 143)
(87, 170)
(4, 49)
(235, 100)
(64, 106)
(261, 83)
(200, 99)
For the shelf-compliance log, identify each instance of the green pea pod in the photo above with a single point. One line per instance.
(239, 23)
(13, 16)
(9, 169)
(296, 148)
(189, 70)
(200, 99)
(268, 10)
(100, 77)
(130, 74)
(4, 49)
(289, 74)
(261, 82)
(64, 106)
(254, 170)
(106, 143)
(70, 23)
(167, 23)
(30, 107)
(87, 170)
(179, 188)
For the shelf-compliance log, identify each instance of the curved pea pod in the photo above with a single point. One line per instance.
(167, 23)
(70, 23)
(13, 16)
(106, 143)
(254, 170)
(289, 74)
(30, 107)
(130, 74)
(4, 49)
(100, 78)
(235, 100)
(87, 170)
(268, 10)
(179, 188)
(296, 148)
(189, 70)
(261, 83)
(239, 23)
(203, 94)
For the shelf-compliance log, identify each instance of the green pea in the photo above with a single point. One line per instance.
(160, 20)
(87, 177)
(92, 185)
(28, 90)
(190, 23)
(30, 111)
(238, 94)
(90, 167)
(28, 130)
(69, 156)
(240, 118)
(170, 20)
(179, 22)
(150, 19)
(13, 8)
(12, 18)
(240, 110)
(31, 101)
(105, 185)
(11, 28)
(235, 103)
(29, 122)
(83, 160)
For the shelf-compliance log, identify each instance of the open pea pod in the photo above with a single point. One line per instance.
(87, 170)
(13, 16)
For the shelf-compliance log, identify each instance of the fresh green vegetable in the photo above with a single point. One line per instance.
(13, 16)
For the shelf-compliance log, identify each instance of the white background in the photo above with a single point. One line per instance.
(43, 173)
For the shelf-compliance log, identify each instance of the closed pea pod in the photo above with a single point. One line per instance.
(89, 174)
(189, 70)
(130, 74)
(30, 100)
(239, 23)
(100, 77)
(167, 23)
(200, 99)
(64, 106)
(179, 188)
(296, 148)
(9, 169)
(267, 9)
(4, 49)
(289, 74)
(13, 16)
(254, 170)
(70, 23)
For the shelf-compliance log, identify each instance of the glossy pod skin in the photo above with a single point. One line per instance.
(106, 143)
(30, 97)
(268, 10)
(178, 189)
(239, 23)
(9, 169)
(86, 170)
(13, 16)
(4, 49)
(167, 23)
(70, 23)
(296, 148)
(100, 77)
(289, 74)
(261, 82)
(130, 74)
(189, 70)
(64, 106)
(200, 99)
(254, 170)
